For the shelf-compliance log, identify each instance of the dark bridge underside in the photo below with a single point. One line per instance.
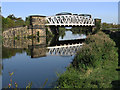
(55, 29)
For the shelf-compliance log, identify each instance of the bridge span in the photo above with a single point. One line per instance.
(69, 20)
(52, 23)
(63, 19)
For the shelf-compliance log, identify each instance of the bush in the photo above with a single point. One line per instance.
(93, 66)
(98, 48)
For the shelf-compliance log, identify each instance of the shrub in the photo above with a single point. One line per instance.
(93, 66)
(98, 48)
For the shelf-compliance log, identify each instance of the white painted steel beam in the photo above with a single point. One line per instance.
(68, 20)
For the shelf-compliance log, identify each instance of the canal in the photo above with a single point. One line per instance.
(31, 61)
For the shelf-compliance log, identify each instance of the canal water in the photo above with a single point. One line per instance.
(31, 61)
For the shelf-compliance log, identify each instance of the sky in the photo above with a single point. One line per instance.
(60, 0)
(107, 11)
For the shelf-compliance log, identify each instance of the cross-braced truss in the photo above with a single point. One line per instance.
(69, 20)
(64, 50)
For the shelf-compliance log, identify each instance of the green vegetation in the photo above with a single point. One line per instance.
(27, 21)
(12, 21)
(62, 31)
(116, 37)
(97, 25)
(14, 85)
(79, 30)
(94, 66)
(107, 26)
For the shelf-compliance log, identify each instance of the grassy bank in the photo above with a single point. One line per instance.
(94, 66)
(115, 35)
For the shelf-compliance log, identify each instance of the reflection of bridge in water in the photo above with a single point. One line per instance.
(39, 48)
(64, 50)
(59, 48)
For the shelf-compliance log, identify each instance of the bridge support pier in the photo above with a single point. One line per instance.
(53, 29)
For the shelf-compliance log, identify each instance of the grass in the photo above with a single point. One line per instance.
(92, 78)
(94, 66)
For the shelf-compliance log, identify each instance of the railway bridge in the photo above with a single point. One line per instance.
(69, 19)
(63, 19)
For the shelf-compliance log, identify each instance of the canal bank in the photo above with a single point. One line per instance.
(115, 36)
(94, 66)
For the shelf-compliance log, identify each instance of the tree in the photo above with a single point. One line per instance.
(12, 17)
(4, 23)
(104, 26)
(27, 21)
(10, 23)
(62, 32)
(19, 23)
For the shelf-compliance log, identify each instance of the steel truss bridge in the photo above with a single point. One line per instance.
(69, 20)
